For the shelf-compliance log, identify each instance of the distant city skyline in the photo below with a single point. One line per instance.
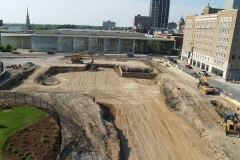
(93, 13)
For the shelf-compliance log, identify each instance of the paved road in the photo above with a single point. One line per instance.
(230, 89)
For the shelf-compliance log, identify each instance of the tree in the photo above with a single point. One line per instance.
(1, 47)
(8, 48)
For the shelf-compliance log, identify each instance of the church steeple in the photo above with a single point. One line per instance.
(28, 24)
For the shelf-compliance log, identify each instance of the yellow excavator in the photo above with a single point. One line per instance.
(204, 85)
(77, 58)
(231, 124)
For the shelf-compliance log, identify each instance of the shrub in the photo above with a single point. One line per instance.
(27, 153)
(10, 144)
(9, 148)
(20, 154)
(14, 151)
(43, 138)
(24, 140)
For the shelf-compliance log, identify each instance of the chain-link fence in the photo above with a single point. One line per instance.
(11, 99)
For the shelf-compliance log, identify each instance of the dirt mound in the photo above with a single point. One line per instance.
(28, 65)
(142, 70)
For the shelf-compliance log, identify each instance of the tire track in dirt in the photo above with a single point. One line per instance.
(150, 130)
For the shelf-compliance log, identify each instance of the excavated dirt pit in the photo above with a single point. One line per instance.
(109, 113)
(147, 127)
(48, 78)
(220, 108)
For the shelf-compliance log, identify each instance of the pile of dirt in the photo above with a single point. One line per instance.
(141, 70)
(46, 79)
(28, 65)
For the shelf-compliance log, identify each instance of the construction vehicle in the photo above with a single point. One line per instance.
(204, 85)
(231, 124)
(77, 58)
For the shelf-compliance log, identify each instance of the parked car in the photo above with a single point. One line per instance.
(188, 66)
(174, 61)
(203, 72)
(50, 53)
(15, 52)
(130, 55)
(99, 54)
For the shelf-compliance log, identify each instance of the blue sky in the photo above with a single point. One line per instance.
(93, 12)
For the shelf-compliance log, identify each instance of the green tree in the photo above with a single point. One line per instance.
(1, 47)
(8, 48)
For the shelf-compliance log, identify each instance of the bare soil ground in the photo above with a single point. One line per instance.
(147, 126)
(153, 118)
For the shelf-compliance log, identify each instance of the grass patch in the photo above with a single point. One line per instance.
(16, 119)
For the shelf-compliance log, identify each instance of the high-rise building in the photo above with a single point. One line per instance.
(28, 24)
(211, 42)
(145, 21)
(159, 13)
(108, 24)
(232, 4)
(1, 22)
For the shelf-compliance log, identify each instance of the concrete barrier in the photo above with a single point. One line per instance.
(232, 101)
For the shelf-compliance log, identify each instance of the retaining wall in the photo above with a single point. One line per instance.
(139, 75)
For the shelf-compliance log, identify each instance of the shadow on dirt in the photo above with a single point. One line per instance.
(109, 113)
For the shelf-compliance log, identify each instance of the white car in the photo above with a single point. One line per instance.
(99, 54)
(203, 72)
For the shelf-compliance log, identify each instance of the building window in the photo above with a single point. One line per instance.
(231, 66)
(233, 56)
(235, 49)
(236, 41)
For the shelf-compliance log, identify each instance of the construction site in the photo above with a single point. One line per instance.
(127, 108)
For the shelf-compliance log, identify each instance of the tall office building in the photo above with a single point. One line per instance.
(232, 4)
(159, 13)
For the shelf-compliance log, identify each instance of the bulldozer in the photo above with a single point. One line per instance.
(77, 58)
(231, 124)
(204, 85)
